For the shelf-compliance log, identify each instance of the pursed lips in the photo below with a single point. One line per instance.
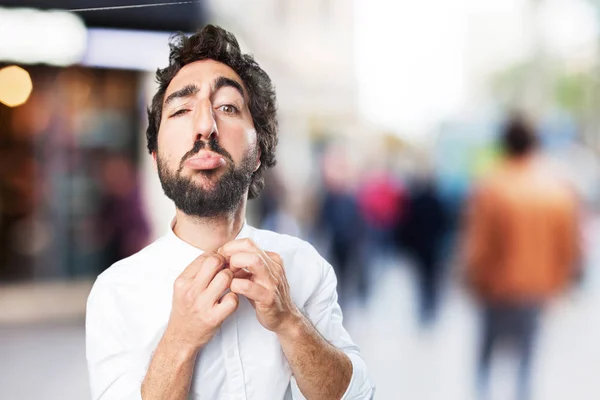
(205, 160)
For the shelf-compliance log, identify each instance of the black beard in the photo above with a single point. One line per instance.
(223, 198)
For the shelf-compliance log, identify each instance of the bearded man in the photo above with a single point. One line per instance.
(216, 309)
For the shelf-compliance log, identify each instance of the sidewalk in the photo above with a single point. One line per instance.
(32, 303)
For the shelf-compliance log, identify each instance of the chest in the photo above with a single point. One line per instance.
(242, 361)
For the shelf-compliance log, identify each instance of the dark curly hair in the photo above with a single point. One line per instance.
(215, 43)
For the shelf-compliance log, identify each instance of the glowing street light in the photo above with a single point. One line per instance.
(15, 86)
(29, 36)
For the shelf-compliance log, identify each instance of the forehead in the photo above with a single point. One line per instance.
(201, 72)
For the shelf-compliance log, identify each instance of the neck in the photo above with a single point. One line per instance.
(209, 234)
(522, 159)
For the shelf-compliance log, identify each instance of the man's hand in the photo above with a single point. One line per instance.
(260, 276)
(199, 307)
(321, 370)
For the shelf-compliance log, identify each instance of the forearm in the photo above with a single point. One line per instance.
(321, 370)
(170, 372)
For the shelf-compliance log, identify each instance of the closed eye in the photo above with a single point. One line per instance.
(179, 112)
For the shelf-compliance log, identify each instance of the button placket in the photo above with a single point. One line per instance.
(233, 363)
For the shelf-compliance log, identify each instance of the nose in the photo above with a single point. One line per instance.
(205, 125)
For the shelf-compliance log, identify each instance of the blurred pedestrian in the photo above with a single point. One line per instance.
(421, 234)
(339, 220)
(521, 248)
(381, 199)
(272, 211)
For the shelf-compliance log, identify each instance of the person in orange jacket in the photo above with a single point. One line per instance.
(521, 247)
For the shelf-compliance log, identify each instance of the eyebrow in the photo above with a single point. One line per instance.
(186, 91)
(223, 81)
(191, 89)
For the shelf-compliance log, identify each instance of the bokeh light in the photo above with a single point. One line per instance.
(15, 86)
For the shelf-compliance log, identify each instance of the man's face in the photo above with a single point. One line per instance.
(207, 147)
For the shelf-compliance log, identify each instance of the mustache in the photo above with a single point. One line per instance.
(211, 145)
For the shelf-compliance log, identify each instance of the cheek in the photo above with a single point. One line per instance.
(170, 152)
(171, 141)
(252, 138)
(236, 138)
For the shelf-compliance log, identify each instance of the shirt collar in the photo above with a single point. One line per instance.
(184, 253)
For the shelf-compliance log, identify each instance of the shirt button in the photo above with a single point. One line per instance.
(230, 353)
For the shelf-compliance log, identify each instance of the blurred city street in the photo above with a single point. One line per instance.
(443, 156)
(47, 361)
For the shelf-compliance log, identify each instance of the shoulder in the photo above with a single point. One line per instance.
(291, 248)
(273, 241)
(126, 273)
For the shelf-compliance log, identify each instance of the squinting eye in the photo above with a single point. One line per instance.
(179, 112)
(228, 109)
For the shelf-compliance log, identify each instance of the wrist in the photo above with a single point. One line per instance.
(178, 349)
(292, 327)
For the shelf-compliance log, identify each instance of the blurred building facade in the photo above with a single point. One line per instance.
(70, 193)
(78, 189)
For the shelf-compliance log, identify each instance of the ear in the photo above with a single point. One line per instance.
(258, 163)
(154, 162)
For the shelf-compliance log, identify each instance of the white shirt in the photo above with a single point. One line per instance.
(129, 306)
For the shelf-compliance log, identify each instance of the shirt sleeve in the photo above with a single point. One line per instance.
(323, 310)
(115, 372)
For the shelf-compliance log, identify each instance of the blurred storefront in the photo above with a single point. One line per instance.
(69, 155)
(71, 143)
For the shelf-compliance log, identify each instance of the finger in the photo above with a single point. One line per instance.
(277, 260)
(209, 268)
(275, 257)
(191, 270)
(253, 291)
(242, 274)
(238, 246)
(228, 304)
(220, 283)
(252, 262)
